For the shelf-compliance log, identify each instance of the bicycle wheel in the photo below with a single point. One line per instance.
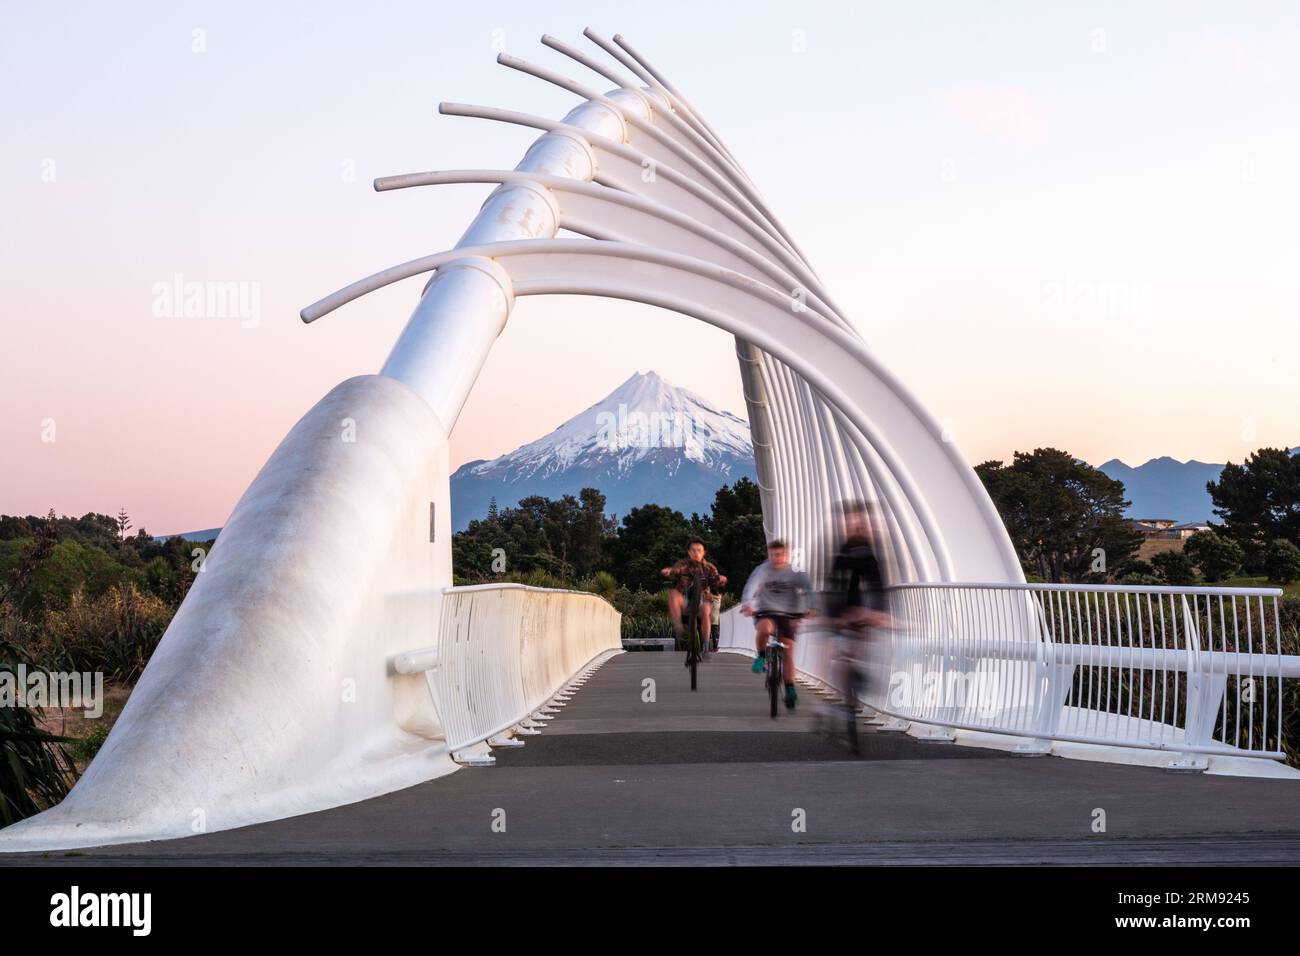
(774, 680)
(851, 710)
(695, 652)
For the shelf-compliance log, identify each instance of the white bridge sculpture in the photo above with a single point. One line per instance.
(323, 656)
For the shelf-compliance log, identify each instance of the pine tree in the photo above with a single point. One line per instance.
(493, 513)
(123, 523)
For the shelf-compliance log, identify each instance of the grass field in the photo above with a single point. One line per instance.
(1290, 590)
(1153, 546)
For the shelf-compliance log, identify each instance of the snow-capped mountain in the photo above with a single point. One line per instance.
(648, 441)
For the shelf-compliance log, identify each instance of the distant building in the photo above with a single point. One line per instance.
(1154, 527)
(1167, 528)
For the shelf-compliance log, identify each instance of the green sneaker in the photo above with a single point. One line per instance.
(758, 665)
(791, 695)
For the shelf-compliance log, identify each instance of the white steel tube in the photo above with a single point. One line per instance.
(462, 311)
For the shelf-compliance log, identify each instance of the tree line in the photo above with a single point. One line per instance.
(1066, 520)
(76, 595)
(80, 594)
(571, 542)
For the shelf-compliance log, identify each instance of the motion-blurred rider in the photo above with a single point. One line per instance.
(855, 597)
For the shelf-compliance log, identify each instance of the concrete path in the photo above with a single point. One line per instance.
(710, 778)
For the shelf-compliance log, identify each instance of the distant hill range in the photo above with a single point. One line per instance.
(647, 441)
(1167, 488)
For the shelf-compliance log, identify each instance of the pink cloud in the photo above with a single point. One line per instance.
(1008, 113)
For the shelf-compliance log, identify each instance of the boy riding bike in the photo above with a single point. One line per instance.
(692, 569)
(776, 596)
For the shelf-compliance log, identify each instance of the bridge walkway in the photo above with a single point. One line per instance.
(708, 777)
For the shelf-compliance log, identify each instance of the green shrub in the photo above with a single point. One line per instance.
(540, 579)
(1282, 562)
(85, 748)
(646, 626)
(1174, 567)
(36, 771)
(641, 603)
(1217, 556)
(602, 583)
(1137, 579)
(114, 633)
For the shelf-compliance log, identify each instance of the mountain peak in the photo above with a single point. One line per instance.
(1162, 461)
(1166, 486)
(645, 391)
(641, 439)
(651, 376)
(644, 415)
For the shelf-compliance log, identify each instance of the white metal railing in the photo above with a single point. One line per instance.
(1194, 671)
(504, 650)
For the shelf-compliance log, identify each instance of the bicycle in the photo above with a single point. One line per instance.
(850, 668)
(775, 679)
(847, 661)
(695, 638)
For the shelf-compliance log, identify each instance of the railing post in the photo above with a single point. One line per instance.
(936, 659)
(1054, 680)
(1205, 692)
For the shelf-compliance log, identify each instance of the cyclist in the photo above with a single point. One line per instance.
(691, 568)
(855, 598)
(776, 596)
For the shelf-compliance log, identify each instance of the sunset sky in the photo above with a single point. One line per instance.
(1060, 224)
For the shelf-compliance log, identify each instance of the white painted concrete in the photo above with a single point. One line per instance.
(269, 694)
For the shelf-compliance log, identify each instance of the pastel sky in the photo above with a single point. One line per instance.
(1065, 224)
